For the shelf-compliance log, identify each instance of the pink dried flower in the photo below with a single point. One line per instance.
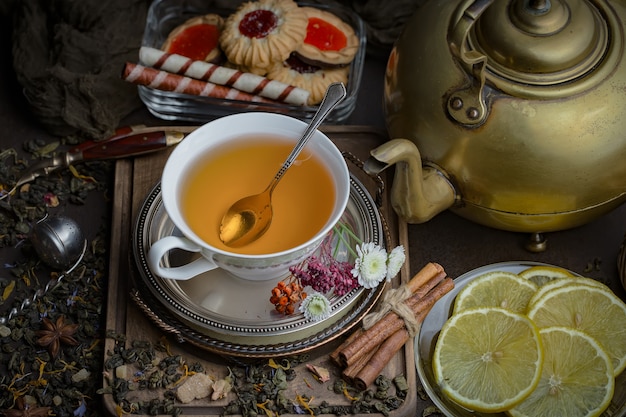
(325, 274)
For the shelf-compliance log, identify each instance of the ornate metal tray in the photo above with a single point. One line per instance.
(222, 313)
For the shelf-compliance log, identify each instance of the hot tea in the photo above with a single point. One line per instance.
(302, 201)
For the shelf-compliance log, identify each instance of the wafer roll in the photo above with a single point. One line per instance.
(162, 80)
(205, 71)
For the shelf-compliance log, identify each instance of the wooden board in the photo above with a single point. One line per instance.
(134, 180)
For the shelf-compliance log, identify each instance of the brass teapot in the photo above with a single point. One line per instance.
(510, 113)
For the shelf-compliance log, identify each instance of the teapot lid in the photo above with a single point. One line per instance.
(541, 42)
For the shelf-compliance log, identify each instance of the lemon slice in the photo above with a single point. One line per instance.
(591, 309)
(555, 283)
(577, 377)
(496, 289)
(488, 359)
(541, 274)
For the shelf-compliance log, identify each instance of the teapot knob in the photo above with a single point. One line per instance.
(540, 17)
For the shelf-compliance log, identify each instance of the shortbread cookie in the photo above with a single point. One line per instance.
(309, 77)
(329, 40)
(261, 33)
(197, 38)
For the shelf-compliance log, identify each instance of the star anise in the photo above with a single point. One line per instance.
(24, 410)
(55, 333)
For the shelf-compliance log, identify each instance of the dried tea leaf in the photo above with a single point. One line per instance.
(46, 149)
(321, 374)
(431, 411)
(8, 290)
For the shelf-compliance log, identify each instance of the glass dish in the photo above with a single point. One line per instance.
(427, 338)
(165, 15)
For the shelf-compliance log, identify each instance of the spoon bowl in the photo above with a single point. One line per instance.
(247, 219)
(250, 217)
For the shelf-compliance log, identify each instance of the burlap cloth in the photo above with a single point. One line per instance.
(68, 54)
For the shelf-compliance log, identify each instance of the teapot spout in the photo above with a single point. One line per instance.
(418, 193)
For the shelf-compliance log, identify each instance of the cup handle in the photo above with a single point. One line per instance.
(162, 246)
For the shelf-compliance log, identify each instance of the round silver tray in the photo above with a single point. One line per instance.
(229, 315)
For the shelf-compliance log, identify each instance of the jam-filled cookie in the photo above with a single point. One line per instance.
(197, 38)
(314, 79)
(329, 40)
(261, 33)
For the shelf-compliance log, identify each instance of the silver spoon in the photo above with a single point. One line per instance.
(248, 218)
(59, 242)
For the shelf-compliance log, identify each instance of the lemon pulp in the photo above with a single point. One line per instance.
(488, 359)
(576, 380)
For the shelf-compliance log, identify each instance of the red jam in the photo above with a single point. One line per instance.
(324, 36)
(300, 66)
(195, 42)
(258, 23)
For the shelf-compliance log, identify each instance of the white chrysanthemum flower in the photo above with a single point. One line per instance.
(315, 306)
(370, 266)
(395, 261)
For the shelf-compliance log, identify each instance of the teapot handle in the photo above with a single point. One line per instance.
(467, 105)
(418, 193)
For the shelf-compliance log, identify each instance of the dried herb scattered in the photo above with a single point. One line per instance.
(24, 410)
(51, 348)
(255, 389)
(51, 329)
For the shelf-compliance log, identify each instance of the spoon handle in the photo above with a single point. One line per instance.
(335, 93)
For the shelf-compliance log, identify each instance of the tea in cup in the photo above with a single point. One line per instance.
(236, 156)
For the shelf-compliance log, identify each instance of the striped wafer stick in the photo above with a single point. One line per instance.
(205, 71)
(162, 80)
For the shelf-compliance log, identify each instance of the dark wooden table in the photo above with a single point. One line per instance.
(459, 245)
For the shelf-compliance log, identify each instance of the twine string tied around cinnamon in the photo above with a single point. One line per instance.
(394, 300)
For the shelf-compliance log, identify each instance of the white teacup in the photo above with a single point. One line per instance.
(203, 141)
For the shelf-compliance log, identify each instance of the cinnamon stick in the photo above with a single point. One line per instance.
(350, 372)
(424, 275)
(334, 355)
(385, 327)
(381, 356)
(380, 359)
(351, 353)
(420, 284)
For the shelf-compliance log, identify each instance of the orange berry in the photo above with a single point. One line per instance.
(281, 285)
(276, 292)
(287, 291)
(274, 299)
(283, 300)
(289, 309)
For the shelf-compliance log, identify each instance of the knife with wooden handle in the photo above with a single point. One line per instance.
(124, 146)
(126, 142)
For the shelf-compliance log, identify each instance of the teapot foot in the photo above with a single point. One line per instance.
(537, 242)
